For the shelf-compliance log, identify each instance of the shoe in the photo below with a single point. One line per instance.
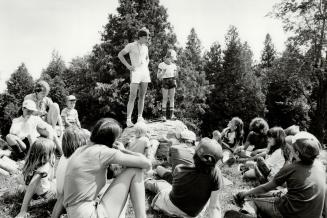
(173, 117)
(129, 123)
(140, 120)
(163, 118)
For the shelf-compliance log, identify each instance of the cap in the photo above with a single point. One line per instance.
(306, 144)
(209, 151)
(30, 105)
(71, 98)
(188, 135)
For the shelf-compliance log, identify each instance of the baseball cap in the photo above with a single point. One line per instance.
(29, 105)
(209, 151)
(306, 144)
(188, 135)
(71, 98)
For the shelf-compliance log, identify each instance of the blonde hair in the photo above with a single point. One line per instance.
(40, 153)
(140, 129)
(72, 139)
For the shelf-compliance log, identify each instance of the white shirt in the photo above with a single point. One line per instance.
(138, 53)
(167, 70)
(275, 161)
(27, 127)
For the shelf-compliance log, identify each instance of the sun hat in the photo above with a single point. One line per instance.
(306, 144)
(29, 105)
(209, 151)
(188, 135)
(71, 98)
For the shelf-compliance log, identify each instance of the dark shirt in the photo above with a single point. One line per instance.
(259, 141)
(192, 189)
(305, 190)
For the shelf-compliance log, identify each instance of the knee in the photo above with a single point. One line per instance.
(132, 96)
(54, 107)
(10, 138)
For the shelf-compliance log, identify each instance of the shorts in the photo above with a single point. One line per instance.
(163, 203)
(141, 74)
(86, 209)
(168, 83)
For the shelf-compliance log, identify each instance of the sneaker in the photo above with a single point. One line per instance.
(173, 117)
(129, 123)
(140, 120)
(163, 118)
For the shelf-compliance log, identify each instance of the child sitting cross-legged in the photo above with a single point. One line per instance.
(73, 138)
(305, 180)
(264, 169)
(192, 186)
(38, 173)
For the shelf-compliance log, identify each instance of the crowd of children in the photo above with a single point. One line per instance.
(86, 184)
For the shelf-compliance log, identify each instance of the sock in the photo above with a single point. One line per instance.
(171, 112)
(164, 112)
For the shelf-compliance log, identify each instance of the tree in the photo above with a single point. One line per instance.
(213, 63)
(236, 90)
(20, 83)
(193, 50)
(9, 109)
(307, 20)
(268, 54)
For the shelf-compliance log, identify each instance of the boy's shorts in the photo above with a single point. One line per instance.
(168, 83)
(141, 74)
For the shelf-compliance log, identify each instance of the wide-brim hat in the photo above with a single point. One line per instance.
(29, 105)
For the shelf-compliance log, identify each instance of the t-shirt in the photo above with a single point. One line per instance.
(27, 127)
(138, 53)
(275, 161)
(257, 140)
(71, 116)
(41, 105)
(168, 70)
(181, 154)
(192, 189)
(139, 145)
(60, 174)
(86, 172)
(305, 189)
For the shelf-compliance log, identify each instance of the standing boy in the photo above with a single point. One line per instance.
(139, 73)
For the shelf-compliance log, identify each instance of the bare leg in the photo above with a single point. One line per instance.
(142, 92)
(132, 96)
(171, 97)
(164, 102)
(13, 140)
(53, 115)
(114, 198)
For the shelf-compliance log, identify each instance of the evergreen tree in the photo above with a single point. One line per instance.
(269, 53)
(213, 63)
(20, 83)
(193, 50)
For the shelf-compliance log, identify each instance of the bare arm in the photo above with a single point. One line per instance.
(58, 208)
(260, 189)
(214, 209)
(29, 194)
(131, 160)
(123, 60)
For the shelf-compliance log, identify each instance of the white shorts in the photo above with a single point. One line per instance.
(86, 209)
(162, 202)
(141, 74)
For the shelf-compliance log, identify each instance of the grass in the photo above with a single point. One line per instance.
(11, 198)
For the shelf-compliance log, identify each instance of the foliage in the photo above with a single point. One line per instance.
(268, 54)
(236, 89)
(193, 50)
(212, 63)
(9, 109)
(20, 83)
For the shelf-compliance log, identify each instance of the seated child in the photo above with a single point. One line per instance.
(179, 154)
(26, 129)
(38, 173)
(256, 138)
(265, 169)
(73, 138)
(141, 144)
(69, 114)
(192, 186)
(305, 179)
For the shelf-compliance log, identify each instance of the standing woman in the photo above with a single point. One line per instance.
(86, 172)
(46, 109)
(140, 75)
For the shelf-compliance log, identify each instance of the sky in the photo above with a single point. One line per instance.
(31, 30)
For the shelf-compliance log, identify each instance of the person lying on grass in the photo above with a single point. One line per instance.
(305, 180)
(192, 186)
(85, 193)
(38, 173)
